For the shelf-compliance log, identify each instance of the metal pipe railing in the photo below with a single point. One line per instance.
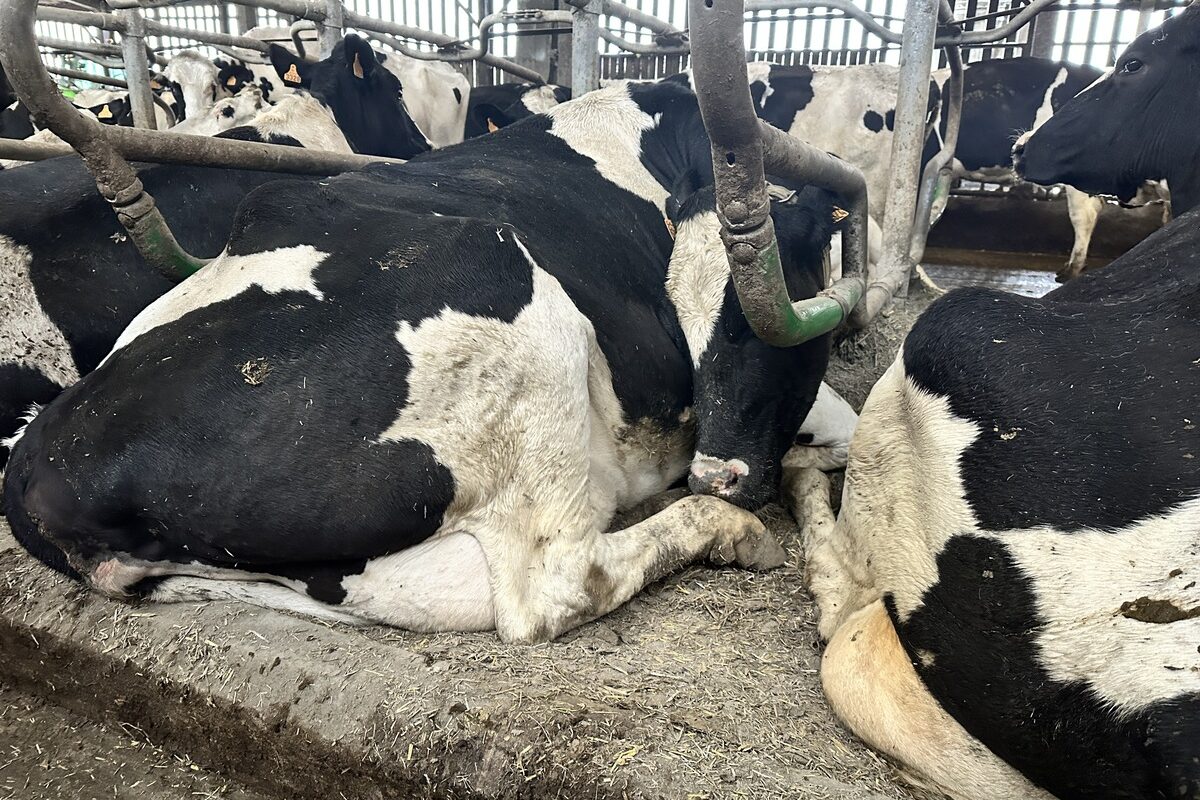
(741, 146)
(104, 148)
(939, 172)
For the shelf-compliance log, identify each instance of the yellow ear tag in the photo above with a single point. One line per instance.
(492, 127)
(232, 79)
(105, 113)
(670, 227)
(839, 214)
(155, 85)
(357, 67)
(292, 75)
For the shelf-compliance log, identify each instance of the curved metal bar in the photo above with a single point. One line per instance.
(80, 75)
(117, 181)
(741, 143)
(295, 30)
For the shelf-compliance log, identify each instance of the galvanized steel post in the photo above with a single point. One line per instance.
(331, 28)
(912, 102)
(137, 68)
(585, 47)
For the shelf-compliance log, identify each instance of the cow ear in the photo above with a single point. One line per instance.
(490, 117)
(291, 68)
(360, 58)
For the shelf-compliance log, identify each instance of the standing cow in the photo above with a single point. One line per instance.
(416, 395)
(1012, 591)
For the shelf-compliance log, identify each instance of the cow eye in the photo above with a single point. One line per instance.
(1131, 66)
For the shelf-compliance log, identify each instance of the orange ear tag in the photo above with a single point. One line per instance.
(232, 79)
(670, 227)
(292, 75)
(839, 214)
(357, 67)
(492, 127)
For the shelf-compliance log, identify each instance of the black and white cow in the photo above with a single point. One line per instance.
(416, 395)
(1002, 99)
(493, 107)
(70, 281)
(1132, 126)
(352, 90)
(1012, 590)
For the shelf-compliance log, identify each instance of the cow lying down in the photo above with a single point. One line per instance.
(1012, 591)
(416, 395)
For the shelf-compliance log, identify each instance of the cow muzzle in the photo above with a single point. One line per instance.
(724, 479)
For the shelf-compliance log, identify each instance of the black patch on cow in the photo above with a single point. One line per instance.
(873, 121)
(93, 282)
(1001, 98)
(974, 643)
(791, 92)
(15, 122)
(248, 133)
(323, 582)
(457, 95)
(1085, 413)
(890, 119)
(227, 111)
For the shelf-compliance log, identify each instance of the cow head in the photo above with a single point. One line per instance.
(749, 398)
(233, 75)
(1136, 123)
(367, 100)
(116, 111)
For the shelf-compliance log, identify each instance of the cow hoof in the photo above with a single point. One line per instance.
(749, 545)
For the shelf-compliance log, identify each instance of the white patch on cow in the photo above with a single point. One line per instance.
(286, 269)
(831, 423)
(197, 78)
(11, 442)
(428, 95)
(1046, 109)
(231, 112)
(261, 593)
(1081, 581)
(607, 126)
(760, 72)
(307, 120)
(28, 336)
(903, 458)
(696, 279)
(438, 585)
(702, 463)
(833, 121)
(539, 99)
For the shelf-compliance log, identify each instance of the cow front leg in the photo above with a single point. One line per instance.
(1084, 211)
(837, 582)
(570, 580)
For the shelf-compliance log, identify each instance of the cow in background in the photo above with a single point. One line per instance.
(493, 107)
